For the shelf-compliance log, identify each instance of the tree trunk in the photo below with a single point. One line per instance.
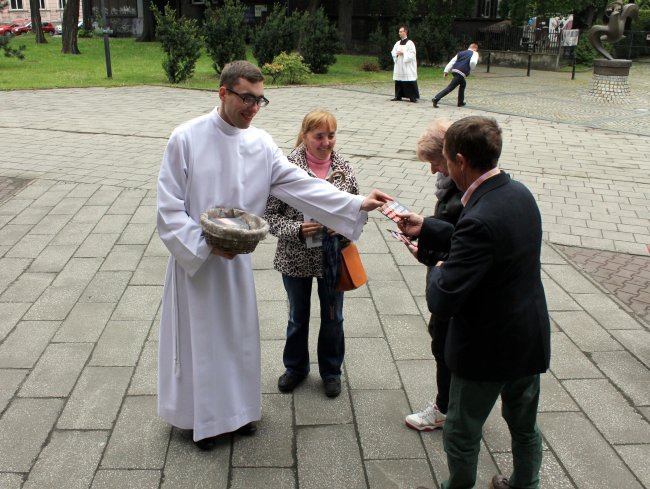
(87, 14)
(148, 23)
(70, 21)
(37, 28)
(345, 22)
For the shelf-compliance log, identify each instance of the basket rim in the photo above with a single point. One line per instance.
(258, 231)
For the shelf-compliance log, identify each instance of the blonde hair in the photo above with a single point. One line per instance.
(316, 118)
(432, 140)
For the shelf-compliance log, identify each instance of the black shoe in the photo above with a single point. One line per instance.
(461, 104)
(248, 429)
(396, 99)
(435, 103)
(287, 382)
(414, 101)
(332, 386)
(207, 444)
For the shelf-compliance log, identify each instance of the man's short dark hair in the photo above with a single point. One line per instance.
(477, 138)
(235, 70)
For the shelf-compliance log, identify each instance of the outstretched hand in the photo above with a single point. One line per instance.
(375, 199)
(410, 223)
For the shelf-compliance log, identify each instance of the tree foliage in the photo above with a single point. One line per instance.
(435, 40)
(320, 41)
(279, 33)
(181, 42)
(225, 33)
(286, 68)
(10, 51)
(382, 46)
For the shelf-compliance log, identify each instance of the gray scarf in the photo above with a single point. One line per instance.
(443, 184)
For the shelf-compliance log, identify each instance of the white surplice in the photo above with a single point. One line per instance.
(406, 66)
(209, 352)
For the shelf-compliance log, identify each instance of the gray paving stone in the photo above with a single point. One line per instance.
(85, 322)
(69, 205)
(187, 466)
(11, 481)
(276, 478)
(272, 366)
(27, 288)
(636, 457)
(52, 258)
(379, 267)
(120, 343)
(550, 256)
(112, 223)
(419, 380)
(106, 287)
(637, 342)
(50, 224)
(273, 316)
(106, 195)
(139, 439)
(407, 336)
(10, 380)
(568, 362)
(570, 279)
(383, 436)
(139, 302)
(11, 270)
(398, 474)
(78, 272)
(370, 365)
(557, 299)
(415, 277)
(136, 234)
(312, 407)
(606, 312)
(10, 314)
(145, 214)
(69, 460)
(73, 233)
(329, 458)
(272, 445)
(29, 246)
(123, 257)
(54, 304)
(619, 426)
(96, 399)
(156, 247)
(372, 240)
(150, 271)
(90, 213)
(10, 234)
(57, 370)
(24, 427)
(268, 286)
(145, 378)
(551, 474)
(96, 245)
(586, 333)
(127, 479)
(553, 397)
(392, 297)
(25, 344)
(360, 318)
(584, 454)
(264, 255)
(627, 374)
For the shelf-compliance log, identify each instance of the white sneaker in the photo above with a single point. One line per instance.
(428, 419)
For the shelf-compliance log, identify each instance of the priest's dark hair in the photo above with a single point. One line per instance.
(235, 70)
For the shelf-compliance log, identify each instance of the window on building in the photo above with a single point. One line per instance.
(42, 4)
(122, 8)
(16, 4)
(61, 4)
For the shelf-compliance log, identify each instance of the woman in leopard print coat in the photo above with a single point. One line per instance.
(299, 264)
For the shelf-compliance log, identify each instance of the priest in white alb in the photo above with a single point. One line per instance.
(209, 370)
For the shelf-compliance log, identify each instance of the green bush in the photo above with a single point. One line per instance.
(382, 45)
(87, 33)
(287, 69)
(10, 51)
(436, 42)
(181, 42)
(585, 52)
(279, 33)
(320, 41)
(225, 33)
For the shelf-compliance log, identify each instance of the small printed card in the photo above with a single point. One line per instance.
(313, 241)
(391, 209)
(231, 222)
(401, 237)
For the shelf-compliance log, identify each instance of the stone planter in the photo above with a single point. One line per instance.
(609, 83)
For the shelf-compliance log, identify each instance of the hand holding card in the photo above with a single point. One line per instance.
(392, 209)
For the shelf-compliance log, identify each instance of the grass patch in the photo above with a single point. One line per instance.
(137, 63)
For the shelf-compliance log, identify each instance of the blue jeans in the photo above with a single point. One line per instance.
(331, 341)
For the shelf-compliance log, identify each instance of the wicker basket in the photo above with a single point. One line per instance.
(230, 239)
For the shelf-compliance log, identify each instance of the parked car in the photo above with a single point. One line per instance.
(6, 27)
(59, 27)
(27, 27)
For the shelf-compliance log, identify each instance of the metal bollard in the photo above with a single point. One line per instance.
(107, 54)
(530, 56)
(573, 67)
(488, 62)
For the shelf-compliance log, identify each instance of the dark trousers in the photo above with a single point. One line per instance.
(470, 403)
(407, 89)
(456, 81)
(438, 331)
(331, 341)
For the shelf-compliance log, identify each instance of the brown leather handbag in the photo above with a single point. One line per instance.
(353, 274)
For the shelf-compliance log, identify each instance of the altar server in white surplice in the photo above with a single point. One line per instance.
(209, 355)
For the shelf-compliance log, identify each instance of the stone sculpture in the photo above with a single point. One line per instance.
(613, 31)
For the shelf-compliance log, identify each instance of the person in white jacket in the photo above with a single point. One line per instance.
(405, 72)
(209, 368)
(460, 67)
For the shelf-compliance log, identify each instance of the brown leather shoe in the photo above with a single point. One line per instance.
(499, 482)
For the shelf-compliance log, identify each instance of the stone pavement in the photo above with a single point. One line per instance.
(81, 271)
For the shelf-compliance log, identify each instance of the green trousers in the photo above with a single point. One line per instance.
(470, 403)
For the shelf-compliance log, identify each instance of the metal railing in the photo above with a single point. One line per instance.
(521, 39)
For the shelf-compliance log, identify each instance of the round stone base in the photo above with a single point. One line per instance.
(609, 83)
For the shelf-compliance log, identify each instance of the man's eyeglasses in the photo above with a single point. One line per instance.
(250, 99)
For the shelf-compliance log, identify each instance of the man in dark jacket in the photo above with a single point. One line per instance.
(460, 67)
(490, 286)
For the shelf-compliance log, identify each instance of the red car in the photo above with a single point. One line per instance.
(6, 27)
(27, 27)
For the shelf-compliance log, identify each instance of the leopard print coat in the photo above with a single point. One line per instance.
(292, 257)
